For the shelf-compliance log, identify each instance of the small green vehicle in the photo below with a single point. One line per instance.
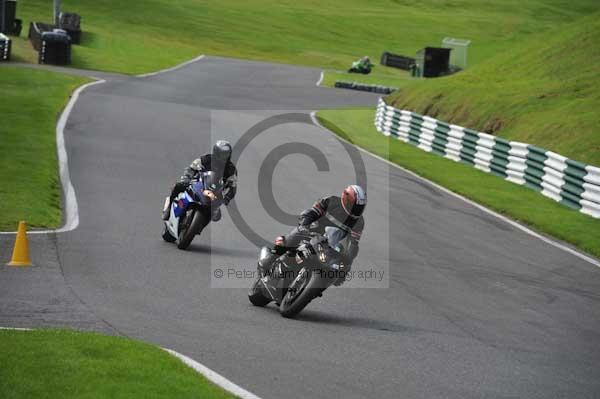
(363, 66)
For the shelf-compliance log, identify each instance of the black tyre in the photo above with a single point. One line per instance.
(256, 296)
(297, 298)
(167, 236)
(189, 231)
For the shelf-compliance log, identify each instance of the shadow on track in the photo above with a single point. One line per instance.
(311, 316)
(207, 249)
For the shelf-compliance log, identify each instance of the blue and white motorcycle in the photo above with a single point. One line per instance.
(193, 209)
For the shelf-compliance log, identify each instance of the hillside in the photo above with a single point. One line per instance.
(545, 91)
(136, 37)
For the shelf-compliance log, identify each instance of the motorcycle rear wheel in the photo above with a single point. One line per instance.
(196, 226)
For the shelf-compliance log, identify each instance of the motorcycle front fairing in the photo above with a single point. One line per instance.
(178, 208)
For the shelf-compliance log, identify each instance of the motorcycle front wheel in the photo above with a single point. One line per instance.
(195, 226)
(166, 235)
(301, 293)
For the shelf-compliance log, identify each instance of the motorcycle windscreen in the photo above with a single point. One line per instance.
(198, 188)
(337, 238)
(212, 181)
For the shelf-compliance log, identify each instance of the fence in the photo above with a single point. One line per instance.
(569, 182)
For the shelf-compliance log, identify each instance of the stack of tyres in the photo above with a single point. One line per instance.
(56, 48)
(35, 34)
(71, 23)
(4, 48)
(9, 23)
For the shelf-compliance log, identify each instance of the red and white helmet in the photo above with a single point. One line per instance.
(354, 200)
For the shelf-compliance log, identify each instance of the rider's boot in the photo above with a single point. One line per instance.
(266, 264)
(216, 215)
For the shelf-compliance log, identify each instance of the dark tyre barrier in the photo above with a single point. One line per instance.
(71, 23)
(53, 45)
(397, 61)
(364, 87)
(4, 48)
(9, 24)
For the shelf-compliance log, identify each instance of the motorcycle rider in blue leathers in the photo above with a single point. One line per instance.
(220, 163)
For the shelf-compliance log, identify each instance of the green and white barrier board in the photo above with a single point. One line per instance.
(569, 182)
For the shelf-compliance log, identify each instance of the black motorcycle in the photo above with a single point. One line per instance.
(300, 275)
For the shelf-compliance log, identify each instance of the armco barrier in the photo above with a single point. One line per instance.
(569, 182)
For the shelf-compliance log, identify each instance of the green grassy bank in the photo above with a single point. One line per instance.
(31, 104)
(134, 37)
(544, 91)
(67, 364)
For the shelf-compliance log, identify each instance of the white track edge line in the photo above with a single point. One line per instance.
(16, 328)
(176, 67)
(209, 374)
(321, 78)
(519, 226)
(213, 376)
(71, 211)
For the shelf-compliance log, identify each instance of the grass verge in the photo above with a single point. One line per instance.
(517, 202)
(134, 37)
(544, 91)
(69, 364)
(31, 103)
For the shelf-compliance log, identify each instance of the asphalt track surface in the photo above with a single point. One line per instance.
(474, 307)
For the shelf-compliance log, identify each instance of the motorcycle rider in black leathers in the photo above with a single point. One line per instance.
(343, 212)
(220, 163)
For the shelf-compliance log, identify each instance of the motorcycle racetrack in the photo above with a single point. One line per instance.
(468, 306)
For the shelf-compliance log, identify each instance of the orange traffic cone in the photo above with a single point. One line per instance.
(20, 255)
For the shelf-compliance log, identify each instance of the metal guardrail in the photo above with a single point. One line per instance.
(569, 182)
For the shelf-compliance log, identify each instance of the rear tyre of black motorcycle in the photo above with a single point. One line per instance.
(198, 223)
(312, 289)
(167, 236)
(256, 296)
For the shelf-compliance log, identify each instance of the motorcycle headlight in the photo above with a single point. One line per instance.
(322, 254)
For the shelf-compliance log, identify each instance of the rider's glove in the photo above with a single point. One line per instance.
(280, 241)
(302, 229)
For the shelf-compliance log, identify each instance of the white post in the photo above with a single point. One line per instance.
(56, 11)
